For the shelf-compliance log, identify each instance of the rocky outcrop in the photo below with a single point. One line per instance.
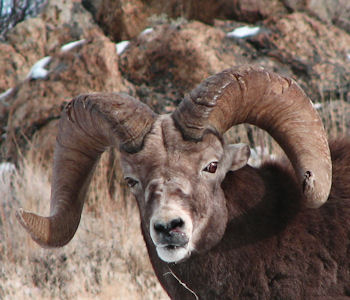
(125, 19)
(317, 56)
(252, 11)
(160, 64)
(335, 12)
(171, 59)
(59, 23)
(15, 11)
(91, 66)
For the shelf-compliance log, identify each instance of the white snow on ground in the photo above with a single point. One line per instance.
(244, 31)
(38, 70)
(121, 46)
(317, 105)
(6, 168)
(72, 45)
(147, 31)
(5, 94)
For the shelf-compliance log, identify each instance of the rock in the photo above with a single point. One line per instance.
(335, 12)
(60, 22)
(29, 37)
(67, 21)
(163, 62)
(90, 67)
(252, 11)
(125, 19)
(172, 59)
(315, 53)
(122, 19)
(27, 40)
(205, 10)
(13, 12)
(180, 53)
(12, 63)
(341, 17)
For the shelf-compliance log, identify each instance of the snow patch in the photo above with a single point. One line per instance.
(147, 31)
(6, 169)
(348, 56)
(38, 70)
(317, 105)
(5, 94)
(243, 32)
(71, 45)
(121, 46)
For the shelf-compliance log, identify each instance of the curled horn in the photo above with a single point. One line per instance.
(89, 124)
(272, 102)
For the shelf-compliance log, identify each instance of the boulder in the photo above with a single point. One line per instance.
(317, 56)
(12, 63)
(171, 59)
(252, 11)
(163, 62)
(29, 37)
(13, 12)
(125, 19)
(89, 67)
(60, 22)
(335, 12)
(122, 19)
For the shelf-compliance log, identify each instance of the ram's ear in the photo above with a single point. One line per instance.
(236, 156)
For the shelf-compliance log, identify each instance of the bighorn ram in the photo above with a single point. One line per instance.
(216, 228)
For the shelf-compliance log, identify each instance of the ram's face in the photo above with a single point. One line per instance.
(177, 184)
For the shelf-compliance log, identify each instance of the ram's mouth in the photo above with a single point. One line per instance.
(173, 253)
(172, 247)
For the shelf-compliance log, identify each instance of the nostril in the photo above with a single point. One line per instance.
(176, 223)
(160, 227)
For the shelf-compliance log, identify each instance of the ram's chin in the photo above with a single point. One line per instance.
(173, 254)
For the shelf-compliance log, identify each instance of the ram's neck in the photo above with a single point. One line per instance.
(243, 190)
(260, 201)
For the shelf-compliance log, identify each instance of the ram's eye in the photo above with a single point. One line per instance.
(211, 168)
(131, 182)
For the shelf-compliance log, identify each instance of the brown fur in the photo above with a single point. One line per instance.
(273, 248)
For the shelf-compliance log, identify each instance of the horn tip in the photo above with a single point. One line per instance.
(314, 199)
(31, 223)
(20, 215)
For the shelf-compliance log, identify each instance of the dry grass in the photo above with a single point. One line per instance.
(107, 258)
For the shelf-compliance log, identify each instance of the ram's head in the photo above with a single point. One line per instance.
(175, 164)
(177, 186)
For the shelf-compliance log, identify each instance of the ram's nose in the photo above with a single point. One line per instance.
(167, 228)
(170, 233)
